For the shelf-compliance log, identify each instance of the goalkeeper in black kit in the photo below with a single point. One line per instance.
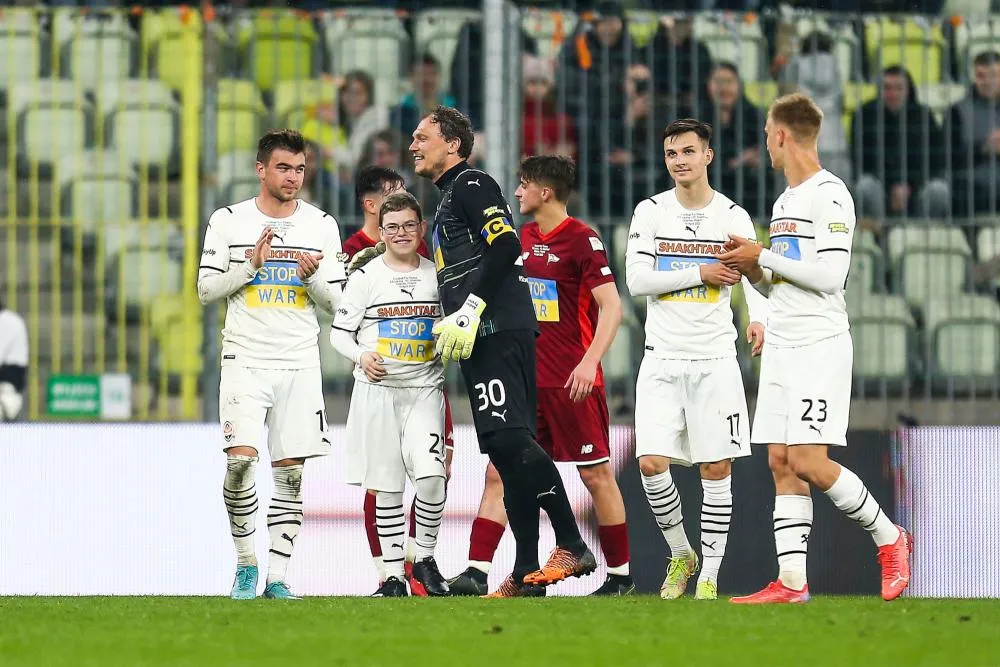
(490, 327)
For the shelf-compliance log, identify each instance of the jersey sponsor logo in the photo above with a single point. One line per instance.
(545, 298)
(406, 340)
(552, 259)
(786, 246)
(405, 310)
(679, 248)
(838, 228)
(697, 294)
(495, 228)
(277, 253)
(493, 212)
(596, 244)
(276, 286)
(784, 227)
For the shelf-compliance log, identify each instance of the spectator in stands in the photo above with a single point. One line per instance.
(425, 94)
(899, 153)
(13, 363)
(360, 117)
(974, 127)
(387, 148)
(681, 64)
(814, 72)
(545, 128)
(737, 169)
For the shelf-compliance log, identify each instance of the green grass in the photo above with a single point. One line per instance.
(852, 632)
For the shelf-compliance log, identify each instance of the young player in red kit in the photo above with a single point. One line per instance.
(371, 186)
(578, 310)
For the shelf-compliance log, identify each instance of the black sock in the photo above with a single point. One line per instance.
(540, 484)
(522, 515)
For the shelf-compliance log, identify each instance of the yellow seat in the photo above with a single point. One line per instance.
(292, 98)
(277, 46)
(237, 130)
(168, 49)
(761, 93)
(917, 46)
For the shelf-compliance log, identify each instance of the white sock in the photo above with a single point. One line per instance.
(380, 568)
(665, 502)
(852, 498)
(716, 513)
(793, 518)
(428, 511)
(284, 518)
(240, 496)
(481, 565)
(390, 520)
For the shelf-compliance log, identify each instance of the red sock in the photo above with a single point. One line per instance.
(485, 539)
(370, 528)
(413, 519)
(614, 544)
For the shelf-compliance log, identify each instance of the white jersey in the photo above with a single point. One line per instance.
(271, 316)
(814, 217)
(392, 313)
(13, 340)
(695, 322)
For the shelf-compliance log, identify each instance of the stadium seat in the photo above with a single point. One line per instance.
(617, 365)
(883, 331)
(276, 45)
(140, 120)
(142, 278)
(964, 336)
(97, 189)
(94, 46)
(760, 93)
(550, 28)
(858, 94)
(235, 174)
(733, 40)
(867, 264)
(178, 346)
(371, 40)
(241, 110)
(977, 9)
(120, 235)
(939, 97)
(52, 119)
(988, 247)
(974, 36)
(913, 43)
(642, 26)
(293, 98)
(167, 48)
(928, 261)
(436, 31)
(20, 46)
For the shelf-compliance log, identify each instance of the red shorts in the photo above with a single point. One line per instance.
(449, 426)
(574, 432)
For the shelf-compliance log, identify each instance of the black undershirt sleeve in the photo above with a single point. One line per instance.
(15, 375)
(488, 215)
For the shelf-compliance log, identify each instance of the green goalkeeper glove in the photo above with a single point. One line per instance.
(457, 332)
(364, 256)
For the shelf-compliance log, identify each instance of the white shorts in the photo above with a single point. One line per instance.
(394, 433)
(289, 402)
(804, 396)
(691, 411)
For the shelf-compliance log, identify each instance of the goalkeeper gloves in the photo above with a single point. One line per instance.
(457, 332)
(362, 257)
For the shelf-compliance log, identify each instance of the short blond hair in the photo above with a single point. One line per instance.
(799, 114)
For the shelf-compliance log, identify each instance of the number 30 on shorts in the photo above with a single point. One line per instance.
(490, 393)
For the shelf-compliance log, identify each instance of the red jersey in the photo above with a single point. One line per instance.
(358, 241)
(563, 267)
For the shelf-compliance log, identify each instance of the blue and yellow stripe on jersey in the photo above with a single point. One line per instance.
(786, 246)
(276, 285)
(406, 339)
(697, 294)
(545, 298)
(497, 223)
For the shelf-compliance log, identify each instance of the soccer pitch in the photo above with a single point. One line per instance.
(640, 630)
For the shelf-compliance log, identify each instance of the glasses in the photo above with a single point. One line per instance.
(392, 228)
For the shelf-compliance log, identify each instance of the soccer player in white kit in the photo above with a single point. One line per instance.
(804, 398)
(395, 427)
(690, 404)
(274, 258)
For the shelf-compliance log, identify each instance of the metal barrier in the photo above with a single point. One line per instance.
(922, 290)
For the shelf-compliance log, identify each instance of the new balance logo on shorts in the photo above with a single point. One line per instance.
(587, 449)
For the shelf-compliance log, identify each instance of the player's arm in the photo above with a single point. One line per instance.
(325, 284)
(641, 275)
(487, 213)
(833, 212)
(346, 322)
(757, 303)
(218, 278)
(14, 372)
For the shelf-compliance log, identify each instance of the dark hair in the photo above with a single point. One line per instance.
(366, 80)
(392, 137)
(727, 65)
(816, 42)
(453, 125)
(425, 58)
(401, 201)
(986, 58)
(375, 179)
(286, 140)
(553, 171)
(682, 125)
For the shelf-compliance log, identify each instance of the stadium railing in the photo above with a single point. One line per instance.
(142, 163)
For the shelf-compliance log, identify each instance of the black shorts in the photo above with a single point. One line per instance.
(500, 379)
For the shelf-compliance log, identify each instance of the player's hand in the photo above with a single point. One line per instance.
(308, 265)
(364, 256)
(755, 336)
(262, 250)
(371, 364)
(718, 274)
(457, 332)
(741, 254)
(581, 380)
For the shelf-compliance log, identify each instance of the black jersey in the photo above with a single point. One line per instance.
(471, 215)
